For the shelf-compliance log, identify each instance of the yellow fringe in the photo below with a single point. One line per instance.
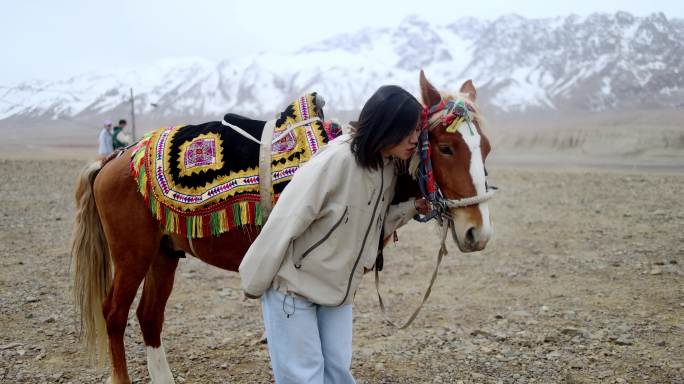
(244, 210)
(223, 221)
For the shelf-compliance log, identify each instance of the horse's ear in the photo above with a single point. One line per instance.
(319, 103)
(469, 89)
(319, 100)
(428, 92)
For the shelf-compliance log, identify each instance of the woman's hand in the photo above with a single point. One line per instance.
(422, 206)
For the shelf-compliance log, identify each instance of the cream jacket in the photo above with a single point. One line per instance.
(325, 228)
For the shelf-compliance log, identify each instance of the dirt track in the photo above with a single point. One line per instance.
(581, 284)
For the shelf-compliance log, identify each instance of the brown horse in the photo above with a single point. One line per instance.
(109, 205)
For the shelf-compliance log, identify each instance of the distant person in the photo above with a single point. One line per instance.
(119, 139)
(105, 139)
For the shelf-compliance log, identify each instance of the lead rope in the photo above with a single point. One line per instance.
(442, 252)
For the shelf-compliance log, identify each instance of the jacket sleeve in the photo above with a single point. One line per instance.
(299, 205)
(398, 215)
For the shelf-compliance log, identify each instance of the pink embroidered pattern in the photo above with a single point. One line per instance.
(286, 144)
(192, 210)
(200, 152)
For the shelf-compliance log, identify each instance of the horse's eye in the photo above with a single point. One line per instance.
(446, 149)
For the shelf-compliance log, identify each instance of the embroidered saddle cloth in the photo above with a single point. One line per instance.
(203, 180)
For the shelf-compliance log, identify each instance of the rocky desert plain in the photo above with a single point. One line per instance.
(583, 281)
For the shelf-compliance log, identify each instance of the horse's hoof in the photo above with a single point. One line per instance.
(110, 380)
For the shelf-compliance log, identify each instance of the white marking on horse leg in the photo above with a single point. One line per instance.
(158, 367)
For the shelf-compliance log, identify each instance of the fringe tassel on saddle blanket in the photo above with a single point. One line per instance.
(207, 179)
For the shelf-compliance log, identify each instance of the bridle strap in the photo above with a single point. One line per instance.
(425, 177)
(432, 193)
(468, 201)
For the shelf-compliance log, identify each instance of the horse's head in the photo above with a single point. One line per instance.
(458, 149)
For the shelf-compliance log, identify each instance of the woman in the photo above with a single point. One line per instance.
(309, 258)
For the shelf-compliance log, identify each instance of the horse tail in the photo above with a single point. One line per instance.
(91, 266)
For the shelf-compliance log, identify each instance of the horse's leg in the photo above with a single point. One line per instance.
(116, 308)
(133, 236)
(156, 291)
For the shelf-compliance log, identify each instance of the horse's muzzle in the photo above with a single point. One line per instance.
(472, 240)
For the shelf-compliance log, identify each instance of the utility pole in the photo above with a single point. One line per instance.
(132, 117)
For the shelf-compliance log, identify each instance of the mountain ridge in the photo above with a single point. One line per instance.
(592, 63)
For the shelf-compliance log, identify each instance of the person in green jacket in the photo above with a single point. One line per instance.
(118, 139)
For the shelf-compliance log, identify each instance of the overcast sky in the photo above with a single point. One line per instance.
(48, 39)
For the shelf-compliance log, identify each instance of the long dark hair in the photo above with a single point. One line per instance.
(385, 120)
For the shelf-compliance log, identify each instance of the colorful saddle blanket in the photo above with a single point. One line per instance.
(203, 180)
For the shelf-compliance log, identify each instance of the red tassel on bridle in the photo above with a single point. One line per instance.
(426, 154)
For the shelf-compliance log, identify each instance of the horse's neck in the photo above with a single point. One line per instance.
(406, 188)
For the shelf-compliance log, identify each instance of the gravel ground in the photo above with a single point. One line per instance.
(582, 283)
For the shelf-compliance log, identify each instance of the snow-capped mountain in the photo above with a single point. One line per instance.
(597, 62)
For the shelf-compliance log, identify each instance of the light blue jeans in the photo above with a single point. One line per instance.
(308, 343)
